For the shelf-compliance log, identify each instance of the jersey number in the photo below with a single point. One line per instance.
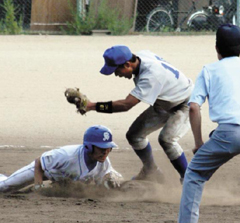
(175, 72)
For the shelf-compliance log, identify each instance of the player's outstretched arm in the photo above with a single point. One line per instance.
(83, 104)
(38, 174)
(113, 106)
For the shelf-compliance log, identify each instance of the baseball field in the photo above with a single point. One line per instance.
(35, 117)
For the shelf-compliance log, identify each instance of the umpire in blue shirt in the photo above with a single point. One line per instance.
(218, 82)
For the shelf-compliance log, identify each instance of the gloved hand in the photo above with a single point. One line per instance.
(74, 96)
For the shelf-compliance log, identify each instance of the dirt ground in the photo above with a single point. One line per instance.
(35, 117)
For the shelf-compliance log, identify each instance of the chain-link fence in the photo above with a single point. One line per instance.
(184, 15)
(145, 15)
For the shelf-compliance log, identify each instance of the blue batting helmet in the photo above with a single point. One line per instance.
(98, 135)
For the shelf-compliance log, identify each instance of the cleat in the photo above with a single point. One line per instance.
(154, 175)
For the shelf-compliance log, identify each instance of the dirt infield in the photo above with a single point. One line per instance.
(35, 117)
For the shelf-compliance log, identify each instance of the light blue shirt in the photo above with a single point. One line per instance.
(220, 83)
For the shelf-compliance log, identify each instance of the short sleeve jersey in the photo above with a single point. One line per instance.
(157, 79)
(68, 162)
(220, 83)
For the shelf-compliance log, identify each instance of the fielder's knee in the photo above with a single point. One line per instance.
(165, 142)
(129, 137)
(136, 142)
(172, 149)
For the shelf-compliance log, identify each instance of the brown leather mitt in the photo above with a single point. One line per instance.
(74, 96)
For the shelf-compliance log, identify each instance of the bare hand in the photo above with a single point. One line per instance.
(194, 150)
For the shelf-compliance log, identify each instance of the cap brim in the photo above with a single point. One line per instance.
(105, 145)
(107, 70)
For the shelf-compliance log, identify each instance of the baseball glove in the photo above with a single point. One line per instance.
(74, 96)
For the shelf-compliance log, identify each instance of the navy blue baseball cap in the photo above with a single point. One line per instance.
(228, 39)
(115, 56)
(100, 136)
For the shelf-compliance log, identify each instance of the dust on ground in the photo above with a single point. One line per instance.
(35, 117)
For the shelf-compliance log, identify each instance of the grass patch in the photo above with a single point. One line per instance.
(105, 18)
(9, 25)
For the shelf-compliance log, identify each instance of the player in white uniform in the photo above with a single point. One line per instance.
(219, 83)
(86, 163)
(166, 90)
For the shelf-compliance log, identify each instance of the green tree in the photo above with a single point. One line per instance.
(9, 24)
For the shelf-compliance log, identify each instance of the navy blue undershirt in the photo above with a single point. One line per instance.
(90, 163)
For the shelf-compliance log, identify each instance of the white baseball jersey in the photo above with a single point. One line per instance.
(157, 79)
(58, 164)
(68, 162)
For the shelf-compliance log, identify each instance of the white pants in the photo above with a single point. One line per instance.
(19, 179)
(171, 118)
